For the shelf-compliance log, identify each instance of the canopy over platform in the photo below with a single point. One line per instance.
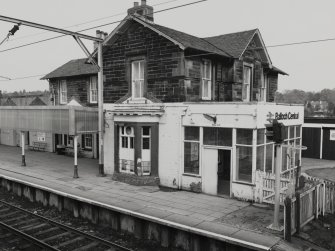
(70, 120)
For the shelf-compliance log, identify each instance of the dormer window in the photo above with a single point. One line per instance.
(207, 80)
(137, 79)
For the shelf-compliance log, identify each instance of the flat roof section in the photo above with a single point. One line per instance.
(70, 120)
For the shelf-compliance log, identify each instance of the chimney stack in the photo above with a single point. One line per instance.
(144, 11)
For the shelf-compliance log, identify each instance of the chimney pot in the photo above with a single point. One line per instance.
(143, 2)
(135, 4)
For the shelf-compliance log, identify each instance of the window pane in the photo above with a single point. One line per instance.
(146, 130)
(285, 132)
(291, 132)
(131, 139)
(247, 74)
(217, 136)
(210, 135)
(145, 143)
(285, 153)
(207, 70)
(297, 129)
(124, 142)
(225, 136)
(191, 157)
(268, 158)
(244, 163)
(141, 69)
(260, 158)
(205, 88)
(135, 70)
(260, 136)
(244, 136)
(192, 133)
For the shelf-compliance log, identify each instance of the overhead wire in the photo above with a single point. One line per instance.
(87, 22)
(98, 26)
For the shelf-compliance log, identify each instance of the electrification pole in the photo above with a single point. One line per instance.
(77, 36)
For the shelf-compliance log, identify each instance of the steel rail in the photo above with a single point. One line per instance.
(67, 228)
(28, 237)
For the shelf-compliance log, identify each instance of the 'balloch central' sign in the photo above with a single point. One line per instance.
(286, 116)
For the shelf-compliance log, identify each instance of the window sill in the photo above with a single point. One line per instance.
(244, 183)
(206, 99)
(192, 175)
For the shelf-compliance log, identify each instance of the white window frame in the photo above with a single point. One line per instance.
(93, 90)
(206, 79)
(62, 92)
(247, 85)
(137, 79)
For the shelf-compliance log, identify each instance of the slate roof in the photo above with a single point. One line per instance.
(189, 41)
(73, 68)
(233, 43)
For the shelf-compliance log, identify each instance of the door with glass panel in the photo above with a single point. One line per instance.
(126, 149)
(146, 150)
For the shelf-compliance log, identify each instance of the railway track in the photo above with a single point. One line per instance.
(30, 231)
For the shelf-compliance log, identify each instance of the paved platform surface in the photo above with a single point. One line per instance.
(217, 216)
(309, 163)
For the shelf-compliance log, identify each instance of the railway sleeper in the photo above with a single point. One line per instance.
(33, 227)
(89, 246)
(79, 238)
(14, 219)
(24, 223)
(46, 231)
(56, 236)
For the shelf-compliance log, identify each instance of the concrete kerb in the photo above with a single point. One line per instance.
(193, 230)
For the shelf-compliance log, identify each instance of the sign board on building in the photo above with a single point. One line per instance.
(41, 136)
(331, 134)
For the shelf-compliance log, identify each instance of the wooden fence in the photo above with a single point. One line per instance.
(329, 193)
(307, 205)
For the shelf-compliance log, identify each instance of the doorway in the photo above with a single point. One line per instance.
(224, 164)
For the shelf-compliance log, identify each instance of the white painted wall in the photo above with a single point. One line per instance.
(109, 142)
(170, 146)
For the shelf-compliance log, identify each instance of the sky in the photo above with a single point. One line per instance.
(310, 66)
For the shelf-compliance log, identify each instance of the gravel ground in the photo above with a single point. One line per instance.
(67, 218)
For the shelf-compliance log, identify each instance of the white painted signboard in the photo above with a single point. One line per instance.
(41, 136)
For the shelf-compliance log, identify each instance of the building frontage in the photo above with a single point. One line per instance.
(187, 111)
(74, 84)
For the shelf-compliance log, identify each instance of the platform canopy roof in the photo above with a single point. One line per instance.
(70, 120)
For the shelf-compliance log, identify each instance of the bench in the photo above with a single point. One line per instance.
(38, 146)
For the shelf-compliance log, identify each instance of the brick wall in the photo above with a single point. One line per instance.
(163, 62)
(77, 87)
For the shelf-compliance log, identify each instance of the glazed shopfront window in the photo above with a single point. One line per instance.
(218, 136)
(244, 155)
(191, 150)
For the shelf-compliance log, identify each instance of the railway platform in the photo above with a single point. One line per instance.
(190, 214)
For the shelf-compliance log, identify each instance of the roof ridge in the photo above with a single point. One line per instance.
(231, 33)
